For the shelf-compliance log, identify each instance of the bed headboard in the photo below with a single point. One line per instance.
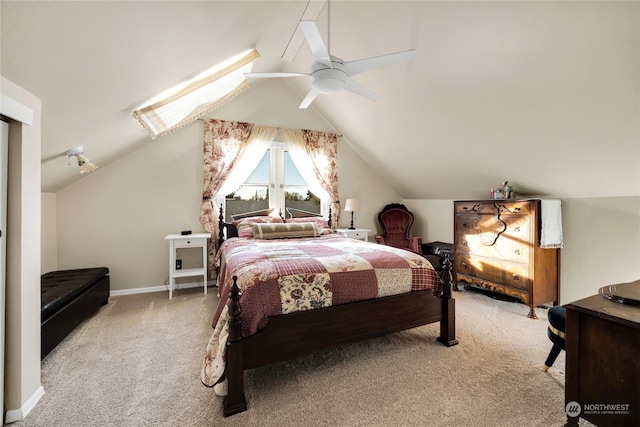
(232, 231)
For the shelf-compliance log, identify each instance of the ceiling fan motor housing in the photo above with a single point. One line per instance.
(329, 80)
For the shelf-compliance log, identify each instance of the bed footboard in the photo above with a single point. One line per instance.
(287, 336)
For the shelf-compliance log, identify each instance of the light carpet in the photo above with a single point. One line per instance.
(137, 363)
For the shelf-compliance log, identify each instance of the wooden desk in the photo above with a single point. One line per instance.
(603, 362)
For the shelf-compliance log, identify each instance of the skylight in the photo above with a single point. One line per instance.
(204, 93)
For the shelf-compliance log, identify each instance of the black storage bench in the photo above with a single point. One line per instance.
(68, 298)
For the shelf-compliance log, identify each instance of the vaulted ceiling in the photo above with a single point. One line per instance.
(544, 94)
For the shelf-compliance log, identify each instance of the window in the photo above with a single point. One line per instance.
(185, 103)
(275, 183)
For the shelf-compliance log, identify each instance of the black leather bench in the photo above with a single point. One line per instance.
(68, 298)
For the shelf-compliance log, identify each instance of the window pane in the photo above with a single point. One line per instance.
(296, 190)
(253, 195)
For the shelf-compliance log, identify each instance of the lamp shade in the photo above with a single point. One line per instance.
(352, 205)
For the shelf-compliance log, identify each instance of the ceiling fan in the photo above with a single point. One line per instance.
(330, 74)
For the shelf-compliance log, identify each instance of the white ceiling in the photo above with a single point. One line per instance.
(544, 94)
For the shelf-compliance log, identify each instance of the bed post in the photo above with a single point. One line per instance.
(234, 401)
(220, 227)
(448, 315)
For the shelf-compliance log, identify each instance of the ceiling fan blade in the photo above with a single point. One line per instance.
(309, 98)
(269, 75)
(316, 43)
(361, 65)
(357, 88)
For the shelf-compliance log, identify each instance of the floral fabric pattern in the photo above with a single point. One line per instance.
(224, 142)
(322, 148)
(300, 292)
(245, 225)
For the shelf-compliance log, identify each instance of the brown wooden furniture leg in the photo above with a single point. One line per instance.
(235, 401)
(448, 311)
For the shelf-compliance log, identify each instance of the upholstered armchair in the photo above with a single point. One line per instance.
(396, 221)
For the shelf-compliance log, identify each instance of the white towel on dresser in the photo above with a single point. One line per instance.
(551, 227)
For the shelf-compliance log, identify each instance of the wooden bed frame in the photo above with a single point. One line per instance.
(302, 333)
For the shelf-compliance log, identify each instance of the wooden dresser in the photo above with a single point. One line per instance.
(602, 383)
(496, 247)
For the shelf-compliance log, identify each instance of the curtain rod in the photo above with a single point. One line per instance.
(278, 128)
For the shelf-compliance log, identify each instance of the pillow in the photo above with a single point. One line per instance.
(321, 224)
(244, 225)
(263, 212)
(284, 231)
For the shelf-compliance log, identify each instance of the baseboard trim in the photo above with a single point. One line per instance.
(163, 288)
(14, 415)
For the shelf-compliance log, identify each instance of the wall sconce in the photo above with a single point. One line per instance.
(85, 165)
(352, 205)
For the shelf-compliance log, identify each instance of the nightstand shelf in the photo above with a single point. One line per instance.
(188, 272)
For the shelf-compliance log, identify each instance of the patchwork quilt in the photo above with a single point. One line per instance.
(283, 276)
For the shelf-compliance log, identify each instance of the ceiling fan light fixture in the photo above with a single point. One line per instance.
(85, 164)
(329, 80)
(329, 84)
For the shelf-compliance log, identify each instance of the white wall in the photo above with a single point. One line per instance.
(118, 216)
(49, 248)
(601, 240)
(22, 357)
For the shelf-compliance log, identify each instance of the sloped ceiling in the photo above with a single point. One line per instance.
(544, 94)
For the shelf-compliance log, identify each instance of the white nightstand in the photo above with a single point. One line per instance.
(176, 241)
(358, 233)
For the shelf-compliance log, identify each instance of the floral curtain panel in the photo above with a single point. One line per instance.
(224, 143)
(315, 154)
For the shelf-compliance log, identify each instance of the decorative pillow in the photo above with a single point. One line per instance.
(263, 212)
(244, 225)
(284, 231)
(321, 224)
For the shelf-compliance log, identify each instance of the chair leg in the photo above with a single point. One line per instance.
(553, 354)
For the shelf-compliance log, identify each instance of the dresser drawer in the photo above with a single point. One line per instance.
(506, 208)
(516, 275)
(475, 207)
(189, 243)
(479, 234)
(480, 267)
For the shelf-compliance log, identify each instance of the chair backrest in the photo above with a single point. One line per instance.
(396, 221)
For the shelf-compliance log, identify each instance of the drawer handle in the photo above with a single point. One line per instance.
(516, 228)
(464, 265)
(188, 242)
(516, 251)
(465, 243)
(516, 277)
(464, 224)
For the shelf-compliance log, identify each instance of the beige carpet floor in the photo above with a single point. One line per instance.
(137, 363)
